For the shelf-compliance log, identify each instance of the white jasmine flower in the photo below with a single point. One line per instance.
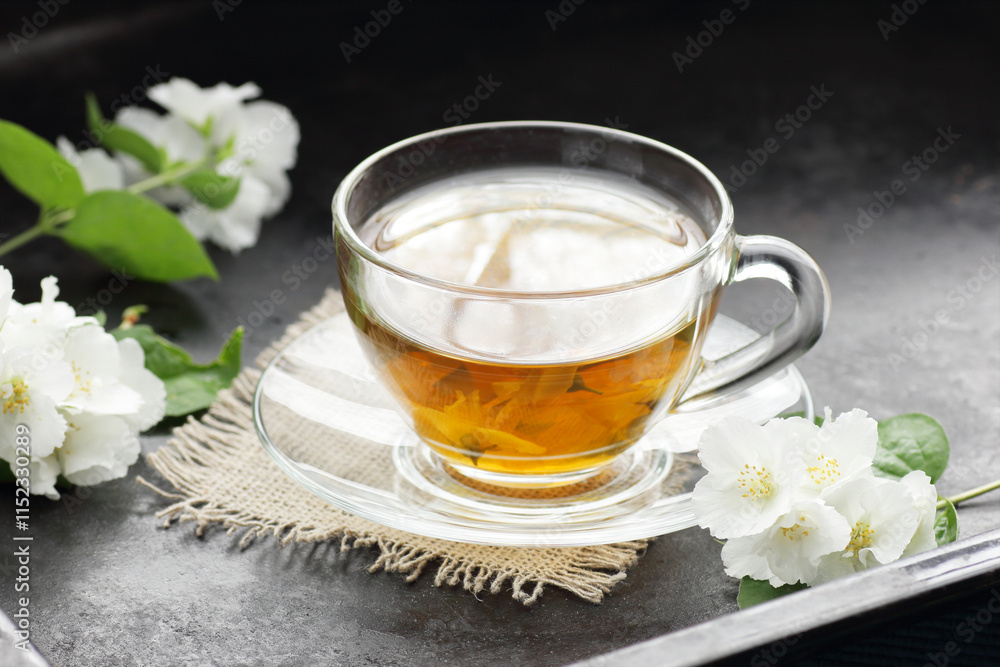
(789, 551)
(135, 375)
(97, 448)
(841, 448)
(176, 138)
(97, 169)
(83, 395)
(93, 355)
(180, 141)
(6, 294)
(925, 503)
(749, 482)
(32, 386)
(43, 473)
(235, 227)
(883, 519)
(265, 139)
(254, 142)
(197, 105)
(41, 325)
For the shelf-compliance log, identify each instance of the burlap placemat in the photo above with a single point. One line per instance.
(222, 475)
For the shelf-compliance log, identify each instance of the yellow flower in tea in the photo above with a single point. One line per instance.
(531, 418)
(469, 425)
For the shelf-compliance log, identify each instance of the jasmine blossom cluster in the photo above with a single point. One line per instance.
(800, 503)
(83, 395)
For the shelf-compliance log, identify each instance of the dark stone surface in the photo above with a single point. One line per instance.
(110, 587)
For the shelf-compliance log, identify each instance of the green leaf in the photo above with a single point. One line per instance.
(35, 167)
(754, 591)
(911, 442)
(121, 139)
(135, 234)
(946, 524)
(212, 189)
(190, 386)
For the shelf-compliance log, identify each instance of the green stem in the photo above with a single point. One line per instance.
(167, 177)
(49, 221)
(22, 238)
(45, 225)
(971, 493)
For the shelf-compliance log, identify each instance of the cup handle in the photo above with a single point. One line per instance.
(777, 259)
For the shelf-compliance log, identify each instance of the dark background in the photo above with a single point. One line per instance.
(112, 588)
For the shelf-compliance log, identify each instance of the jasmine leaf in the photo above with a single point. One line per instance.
(190, 386)
(35, 167)
(754, 591)
(121, 139)
(911, 442)
(135, 234)
(946, 524)
(212, 189)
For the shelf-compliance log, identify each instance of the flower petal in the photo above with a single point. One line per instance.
(741, 558)
(6, 294)
(98, 448)
(97, 169)
(43, 473)
(196, 105)
(727, 446)
(135, 375)
(37, 411)
(801, 537)
(272, 134)
(93, 355)
(924, 496)
(236, 227)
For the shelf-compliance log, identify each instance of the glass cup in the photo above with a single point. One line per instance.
(535, 295)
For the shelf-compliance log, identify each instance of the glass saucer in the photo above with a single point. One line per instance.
(322, 417)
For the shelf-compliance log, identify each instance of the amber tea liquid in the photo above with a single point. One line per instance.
(540, 390)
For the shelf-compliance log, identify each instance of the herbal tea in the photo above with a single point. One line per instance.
(526, 389)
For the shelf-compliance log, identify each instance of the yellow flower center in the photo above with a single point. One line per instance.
(82, 384)
(798, 530)
(17, 399)
(755, 482)
(825, 472)
(861, 538)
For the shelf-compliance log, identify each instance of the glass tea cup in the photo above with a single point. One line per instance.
(535, 295)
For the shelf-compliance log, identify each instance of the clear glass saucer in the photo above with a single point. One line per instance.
(322, 417)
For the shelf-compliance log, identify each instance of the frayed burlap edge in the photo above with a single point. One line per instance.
(204, 445)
